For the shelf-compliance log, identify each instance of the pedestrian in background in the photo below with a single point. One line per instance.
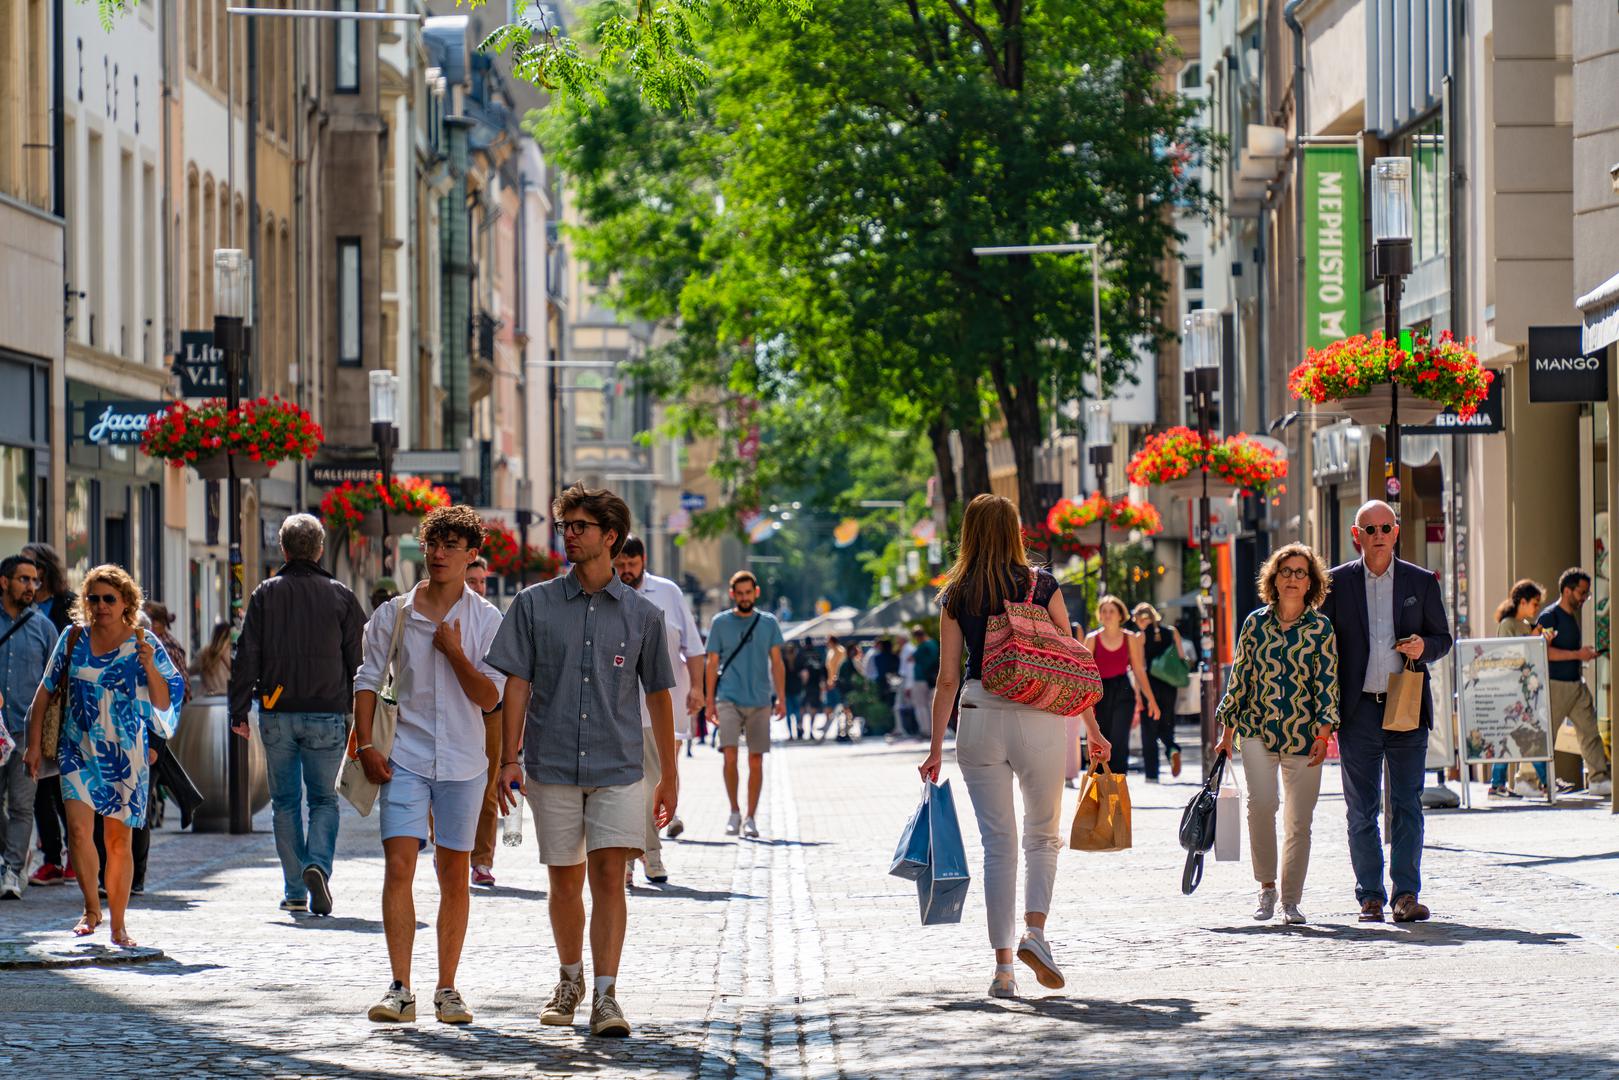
(811, 676)
(1157, 639)
(483, 846)
(383, 590)
(832, 688)
(1571, 697)
(1118, 655)
(1515, 617)
(299, 650)
(909, 718)
(795, 692)
(26, 640)
(744, 667)
(1385, 613)
(121, 687)
(162, 625)
(57, 603)
(579, 651)
(925, 659)
(437, 768)
(1282, 698)
(212, 669)
(1000, 741)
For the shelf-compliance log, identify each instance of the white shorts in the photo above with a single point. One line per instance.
(572, 821)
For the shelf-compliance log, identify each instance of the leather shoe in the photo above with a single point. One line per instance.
(1371, 911)
(1406, 909)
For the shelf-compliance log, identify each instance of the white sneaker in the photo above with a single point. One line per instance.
(10, 885)
(1528, 790)
(656, 872)
(750, 830)
(1003, 985)
(1292, 916)
(1267, 906)
(676, 827)
(1602, 787)
(733, 825)
(1036, 953)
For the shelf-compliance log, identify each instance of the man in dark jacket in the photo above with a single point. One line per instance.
(297, 655)
(1386, 613)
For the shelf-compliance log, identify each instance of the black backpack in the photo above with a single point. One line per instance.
(1197, 826)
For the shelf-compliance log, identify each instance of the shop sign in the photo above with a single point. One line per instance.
(118, 423)
(1561, 370)
(692, 502)
(200, 367)
(1490, 419)
(1332, 247)
(329, 474)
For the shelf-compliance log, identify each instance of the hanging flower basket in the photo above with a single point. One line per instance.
(1347, 376)
(1191, 487)
(349, 508)
(261, 432)
(1124, 514)
(1175, 460)
(506, 558)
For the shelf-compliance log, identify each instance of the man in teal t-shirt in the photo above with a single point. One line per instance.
(744, 662)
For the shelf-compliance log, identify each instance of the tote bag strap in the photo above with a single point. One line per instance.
(388, 667)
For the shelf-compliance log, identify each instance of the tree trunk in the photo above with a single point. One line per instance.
(1020, 404)
(974, 462)
(944, 465)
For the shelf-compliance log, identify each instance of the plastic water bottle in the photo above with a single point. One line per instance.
(511, 824)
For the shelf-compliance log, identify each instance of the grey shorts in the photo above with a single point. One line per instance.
(406, 799)
(737, 720)
(572, 821)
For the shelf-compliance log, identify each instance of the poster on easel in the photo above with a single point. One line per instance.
(1504, 703)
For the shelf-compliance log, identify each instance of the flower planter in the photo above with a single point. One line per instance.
(1190, 486)
(1372, 408)
(399, 523)
(218, 468)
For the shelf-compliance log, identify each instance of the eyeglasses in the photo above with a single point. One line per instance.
(102, 598)
(1373, 530)
(25, 579)
(442, 545)
(1296, 573)
(576, 528)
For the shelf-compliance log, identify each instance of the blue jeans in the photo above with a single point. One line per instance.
(1363, 748)
(1498, 775)
(303, 751)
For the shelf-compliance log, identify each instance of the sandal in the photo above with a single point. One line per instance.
(122, 939)
(87, 924)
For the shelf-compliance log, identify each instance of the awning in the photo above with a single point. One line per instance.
(839, 622)
(1599, 310)
(899, 614)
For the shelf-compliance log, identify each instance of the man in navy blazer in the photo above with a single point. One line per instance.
(1384, 611)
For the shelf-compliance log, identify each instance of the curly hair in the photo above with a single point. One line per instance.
(452, 521)
(1319, 581)
(118, 578)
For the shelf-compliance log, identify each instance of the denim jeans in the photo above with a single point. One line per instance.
(1363, 748)
(1498, 775)
(303, 752)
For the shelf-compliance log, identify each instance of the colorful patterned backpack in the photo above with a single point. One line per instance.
(1027, 659)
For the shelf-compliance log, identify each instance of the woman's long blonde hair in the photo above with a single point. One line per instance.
(991, 544)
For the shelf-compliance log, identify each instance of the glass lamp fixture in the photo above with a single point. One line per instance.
(1200, 341)
(233, 284)
(1098, 423)
(384, 393)
(1391, 200)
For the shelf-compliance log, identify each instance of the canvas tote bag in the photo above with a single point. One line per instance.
(352, 783)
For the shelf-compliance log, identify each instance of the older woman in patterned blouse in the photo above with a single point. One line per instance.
(1283, 700)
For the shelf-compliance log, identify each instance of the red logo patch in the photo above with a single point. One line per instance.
(618, 661)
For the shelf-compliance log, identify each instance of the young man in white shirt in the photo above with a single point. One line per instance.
(685, 644)
(438, 764)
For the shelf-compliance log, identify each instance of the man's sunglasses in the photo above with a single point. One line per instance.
(102, 598)
(1372, 530)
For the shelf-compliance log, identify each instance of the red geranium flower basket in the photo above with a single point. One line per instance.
(261, 431)
(1443, 374)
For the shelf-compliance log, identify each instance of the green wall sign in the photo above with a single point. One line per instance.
(1332, 244)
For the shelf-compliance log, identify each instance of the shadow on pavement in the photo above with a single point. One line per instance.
(681, 892)
(504, 891)
(352, 923)
(1148, 1013)
(1439, 932)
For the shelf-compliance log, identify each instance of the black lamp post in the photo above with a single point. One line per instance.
(1391, 261)
(1099, 449)
(233, 318)
(385, 433)
(1200, 361)
(525, 518)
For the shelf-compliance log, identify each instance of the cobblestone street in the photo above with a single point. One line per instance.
(798, 956)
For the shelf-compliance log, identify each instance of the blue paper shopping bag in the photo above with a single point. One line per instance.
(911, 856)
(941, 891)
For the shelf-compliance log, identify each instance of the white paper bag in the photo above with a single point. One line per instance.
(1228, 825)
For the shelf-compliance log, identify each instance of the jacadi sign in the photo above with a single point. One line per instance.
(117, 423)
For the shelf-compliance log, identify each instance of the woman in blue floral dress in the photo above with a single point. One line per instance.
(123, 688)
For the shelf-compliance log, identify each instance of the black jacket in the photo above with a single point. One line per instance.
(300, 645)
(1418, 609)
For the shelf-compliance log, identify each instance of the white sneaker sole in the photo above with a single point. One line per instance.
(1042, 964)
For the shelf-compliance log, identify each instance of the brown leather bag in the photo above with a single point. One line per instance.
(50, 731)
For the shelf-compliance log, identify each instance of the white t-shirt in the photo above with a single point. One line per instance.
(684, 640)
(907, 663)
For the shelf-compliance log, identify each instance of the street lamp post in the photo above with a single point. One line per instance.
(1391, 261)
(233, 318)
(385, 433)
(1200, 360)
(1099, 449)
(525, 518)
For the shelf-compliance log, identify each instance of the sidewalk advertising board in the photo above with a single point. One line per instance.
(1503, 700)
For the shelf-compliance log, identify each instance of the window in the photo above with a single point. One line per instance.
(1192, 76)
(129, 329)
(96, 257)
(148, 256)
(16, 489)
(192, 319)
(1193, 276)
(1194, 305)
(348, 300)
(348, 50)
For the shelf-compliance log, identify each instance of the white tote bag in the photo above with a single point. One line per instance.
(1228, 820)
(352, 783)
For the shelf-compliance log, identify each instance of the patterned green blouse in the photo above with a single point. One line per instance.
(1284, 684)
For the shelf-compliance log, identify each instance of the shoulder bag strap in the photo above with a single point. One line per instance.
(18, 625)
(67, 662)
(400, 603)
(754, 625)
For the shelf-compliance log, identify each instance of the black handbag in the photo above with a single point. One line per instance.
(1197, 825)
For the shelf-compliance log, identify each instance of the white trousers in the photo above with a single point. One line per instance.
(998, 741)
(1300, 787)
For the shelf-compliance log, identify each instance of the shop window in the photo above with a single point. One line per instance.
(348, 301)
(78, 554)
(1430, 189)
(348, 50)
(16, 489)
(1192, 76)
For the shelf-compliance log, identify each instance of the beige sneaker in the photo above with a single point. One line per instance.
(606, 1018)
(398, 1006)
(449, 1008)
(564, 1001)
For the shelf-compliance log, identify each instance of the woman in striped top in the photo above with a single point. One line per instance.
(1283, 700)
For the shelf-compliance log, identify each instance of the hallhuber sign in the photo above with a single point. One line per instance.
(1332, 270)
(1559, 368)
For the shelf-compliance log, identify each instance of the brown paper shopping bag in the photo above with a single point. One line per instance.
(1103, 820)
(1402, 710)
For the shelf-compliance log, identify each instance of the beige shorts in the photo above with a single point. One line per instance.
(735, 720)
(572, 821)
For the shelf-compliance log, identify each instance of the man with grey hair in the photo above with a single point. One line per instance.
(296, 657)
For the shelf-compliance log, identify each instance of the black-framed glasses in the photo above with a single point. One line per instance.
(1296, 573)
(1373, 530)
(576, 528)
(102, 598)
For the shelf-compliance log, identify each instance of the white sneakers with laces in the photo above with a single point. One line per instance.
(733, 825)
(1267, 905)
(750, 829)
